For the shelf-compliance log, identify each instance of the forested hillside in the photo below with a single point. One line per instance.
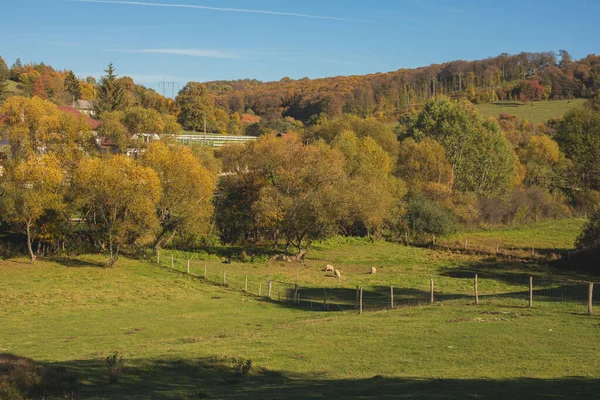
(522, 77)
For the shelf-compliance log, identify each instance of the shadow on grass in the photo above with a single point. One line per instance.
(214, 378)
(73, 262)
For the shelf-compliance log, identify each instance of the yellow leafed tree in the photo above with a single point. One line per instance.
(118, 201)
(187, 190)
(32, 187)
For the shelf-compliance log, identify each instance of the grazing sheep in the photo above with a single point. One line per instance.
(373, 271)
(329, 268)
(337, 274)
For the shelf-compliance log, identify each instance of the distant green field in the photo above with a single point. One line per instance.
(536, 112)
(178, 332)
(12, 89)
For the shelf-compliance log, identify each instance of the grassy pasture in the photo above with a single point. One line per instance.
(178, 332)
(536, 112)
(12, 89)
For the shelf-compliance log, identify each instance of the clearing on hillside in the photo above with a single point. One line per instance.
(535, 112)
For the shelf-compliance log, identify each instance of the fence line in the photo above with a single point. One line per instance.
(464, 287)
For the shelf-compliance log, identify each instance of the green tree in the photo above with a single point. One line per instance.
(32, 188)
(187, 188)
(16, 69)
(110, 93)
(590, 236)
(426, 217)
(118, 201)
(483, 160)
(72, 85)
(578, 136)
(195, 103)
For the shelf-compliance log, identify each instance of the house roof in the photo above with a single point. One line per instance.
(83, 105)
(93, 123)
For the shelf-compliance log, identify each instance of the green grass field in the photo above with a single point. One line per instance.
(536, 112)
(12, 89)
(179, 332)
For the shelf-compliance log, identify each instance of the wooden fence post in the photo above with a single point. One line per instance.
(590, 296)
(530, 291)
(476, 291)
(204, 270)
(158, 256)
(361, 301)
(392, 297)
(259, 289)
(497, 248)
(433, 240)
(431, 281)
(295, 294)
(298, 298)
(246, 284)
(533, 252)
(270, 286)
(466, 244)
(188, 266)
(171, 260)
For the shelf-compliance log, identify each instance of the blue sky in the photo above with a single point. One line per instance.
(200, 40)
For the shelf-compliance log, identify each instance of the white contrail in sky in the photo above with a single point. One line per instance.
(239, 10)
(184, 52)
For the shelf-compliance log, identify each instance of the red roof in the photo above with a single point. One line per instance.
(93, 123)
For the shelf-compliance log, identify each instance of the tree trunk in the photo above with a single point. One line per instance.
(161, 241)
(29, 239)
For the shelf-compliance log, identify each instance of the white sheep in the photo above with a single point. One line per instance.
(373, 271)
(329, 268)
(337, 273)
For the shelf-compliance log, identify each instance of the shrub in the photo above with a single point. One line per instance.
(523, 205)
(590, 236)
(241, 366)
(23, 378)
(114, 367)
(424, 216)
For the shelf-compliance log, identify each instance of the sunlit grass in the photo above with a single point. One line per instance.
(170, 326)
(536, 112)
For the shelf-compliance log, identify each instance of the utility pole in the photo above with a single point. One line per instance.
(165, 86)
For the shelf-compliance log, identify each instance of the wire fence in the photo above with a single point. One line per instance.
(455, 287)
(497, 248)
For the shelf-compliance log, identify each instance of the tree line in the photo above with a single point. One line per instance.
(519, 77)
(67, 184)
(439, 168)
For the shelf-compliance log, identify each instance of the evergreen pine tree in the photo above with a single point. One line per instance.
(110, 94)
(72, 85)
(16, 69)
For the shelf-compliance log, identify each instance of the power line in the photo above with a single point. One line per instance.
(165, 85)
